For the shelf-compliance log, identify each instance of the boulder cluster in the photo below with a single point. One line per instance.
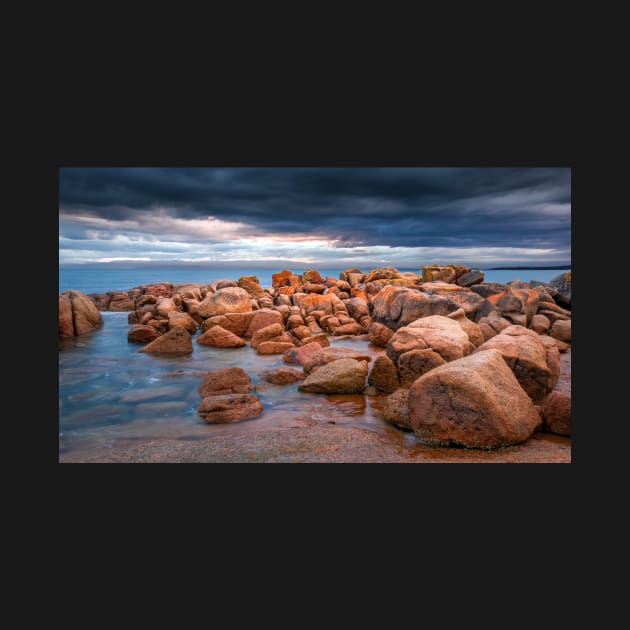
(466, 363)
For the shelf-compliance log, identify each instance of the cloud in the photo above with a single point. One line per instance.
(391, 214)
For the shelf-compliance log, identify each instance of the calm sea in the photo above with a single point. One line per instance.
(100, 280)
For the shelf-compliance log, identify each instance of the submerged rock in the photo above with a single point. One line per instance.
(230, 408)
(232, 380)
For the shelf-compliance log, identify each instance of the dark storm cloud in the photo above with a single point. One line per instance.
(409, 207)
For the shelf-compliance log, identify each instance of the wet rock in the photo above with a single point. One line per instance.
(343, 376)
(348, 329)
(142, 334)
(383, 375)
(77, 314)
(396, 409)
(230, 408)
(182, 319)
(176, 341)
(232, 380)
(149, 393)
(274, 347)
(312, 360)
(474, 401)
(282, 375)
(219, 337)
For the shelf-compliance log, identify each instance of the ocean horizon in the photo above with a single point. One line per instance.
(101, 280)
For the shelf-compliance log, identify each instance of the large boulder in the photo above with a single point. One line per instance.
(313, 276)
(399, 306)
(77, 314)
(120, 301)
(267, 333)
(218, 337)
(382, 273)
(441, 334)
(344, 376)
(164, 306)
(252, 286)
(232, 380)
(230, 408)
(475, 402)
(226, 300)
(174, 342)
(526, 355)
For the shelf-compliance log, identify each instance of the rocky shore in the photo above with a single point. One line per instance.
(464, 363)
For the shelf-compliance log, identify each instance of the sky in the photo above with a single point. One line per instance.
(319, 217)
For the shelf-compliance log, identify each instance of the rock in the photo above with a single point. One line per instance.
(251, 285)
(561, 330)
(182, 319)
(176, 341)
(508, 301)
(443, 335)
(313, 276)
(101, 300)
(77, 314)
(557, 414)
(302, 354)
(384, 375)
(274, 347)
(236, 323)
(301, 333)
(474, 276)
(343, 276)
(230, 408)
(357, 308)
(226, 300)
(312, 360)
(281, 279)
(355, 279)
(526, 355)
(398, 306)
(473, 331)
(164, 306)
(520, 319)
(219, 337)
(475, 402)
(120, 301)
(396, 409)
(540, 324)
(133, 318)
(562, 284)
(552, 356)
(488, 289)
(383, 273)
(232, 380)
(348, 329)
(415, 363)
(343, 376)
(224, 283)
(311, 287)
(282, 375)
(431, 273)
(262, 319)
(142, 334)
(486, 330)
(161, 325)
(266, 334)
(379, 334)
(320, 338)
(66, 325)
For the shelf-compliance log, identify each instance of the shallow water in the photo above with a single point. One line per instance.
(111, 394)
